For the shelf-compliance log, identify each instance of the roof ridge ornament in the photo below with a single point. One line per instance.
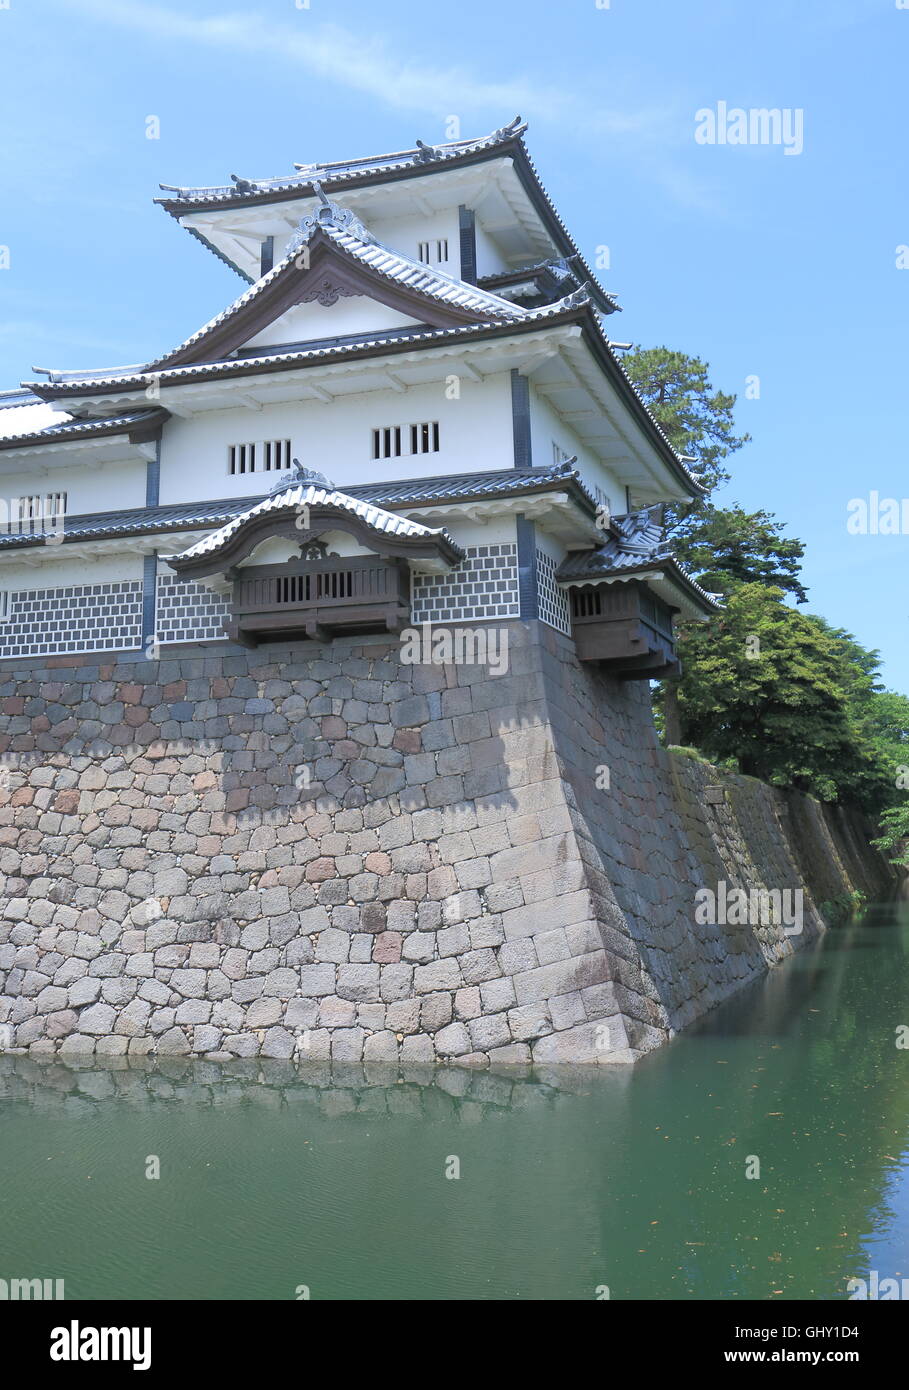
(642, 532)
(512, 128)
(577, 297)
(300, 475)
(328, 214)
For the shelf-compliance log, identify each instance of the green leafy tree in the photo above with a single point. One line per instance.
(765, 685)
(783, 695)
(697, 418)
(729, 546)
(895, 833)
(887, 727)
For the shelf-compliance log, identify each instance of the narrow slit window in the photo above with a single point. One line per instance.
(266, 456)
(421, 438)
(433, 252)
(35, 513)
(386, 442)
(276, 455)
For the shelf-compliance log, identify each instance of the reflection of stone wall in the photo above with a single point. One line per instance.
(323, 852)
(340, 1088)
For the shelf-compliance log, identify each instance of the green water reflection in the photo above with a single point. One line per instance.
(273, 1178)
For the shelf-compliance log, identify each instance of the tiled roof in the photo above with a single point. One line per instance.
(359, 246)
(22, 413)
(76, 382)
(184, 516)
(362, 169)
(575, 307)
(469, 486)
(435, 284)
(635, 539)
(636, 545)
(135, 521)
(557, 270)
(350, 173)
(37, 420)
(300, 496)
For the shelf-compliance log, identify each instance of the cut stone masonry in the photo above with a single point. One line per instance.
(325, 853)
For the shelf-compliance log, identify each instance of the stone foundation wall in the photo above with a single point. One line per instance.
(323, 852)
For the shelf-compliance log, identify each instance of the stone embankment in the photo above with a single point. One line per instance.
(323, 852)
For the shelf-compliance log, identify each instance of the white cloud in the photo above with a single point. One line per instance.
(368, 65)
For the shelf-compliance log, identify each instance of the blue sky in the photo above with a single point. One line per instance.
(765, 264)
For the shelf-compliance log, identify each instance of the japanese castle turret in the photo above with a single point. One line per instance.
(213, 565)
(422, 339)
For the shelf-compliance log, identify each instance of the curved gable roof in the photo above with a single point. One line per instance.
(335, 256)
(323, 508)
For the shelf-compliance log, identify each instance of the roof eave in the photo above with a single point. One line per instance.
(179, 207)
(513, 146)
(140, 431)
(664, 565)
(602, 351)
(478, 332)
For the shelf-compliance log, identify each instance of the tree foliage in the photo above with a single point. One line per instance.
(765, 685)
(698, 419)
(783, 695)
(729, 546)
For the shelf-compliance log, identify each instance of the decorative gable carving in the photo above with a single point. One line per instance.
(327, 291)
(323, 276)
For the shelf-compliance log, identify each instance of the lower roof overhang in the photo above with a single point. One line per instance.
(45, 554)
(666, 579)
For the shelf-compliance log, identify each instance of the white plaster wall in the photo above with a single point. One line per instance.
(490, 260)
(98, 489)
(336, 438)
(306, 322)
(466, 533)
(60, 567)
(405, 233)
(547, 427)
(277, 550)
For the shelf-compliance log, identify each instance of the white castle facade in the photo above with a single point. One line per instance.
(411, 414)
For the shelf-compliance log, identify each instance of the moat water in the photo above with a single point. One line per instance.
(274, 1181)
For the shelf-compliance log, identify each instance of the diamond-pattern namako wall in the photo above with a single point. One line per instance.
(484, 586)
(73, 618)
(553, 601)
(189, 612)
(108, 617)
